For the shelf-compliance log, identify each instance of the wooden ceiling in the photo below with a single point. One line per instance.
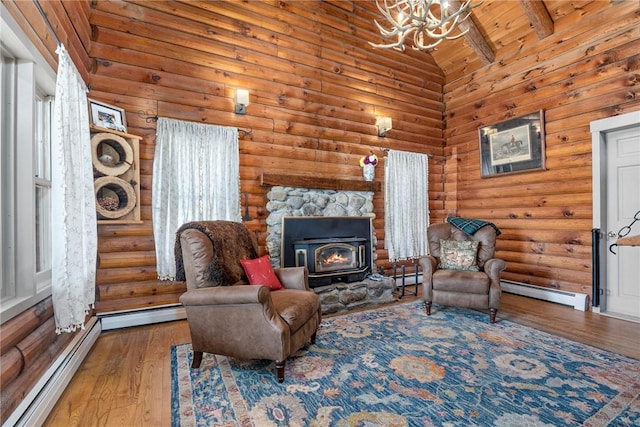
(501, 28)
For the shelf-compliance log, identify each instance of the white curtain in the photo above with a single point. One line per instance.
(196, 176)
(73, 266)
(406, 205)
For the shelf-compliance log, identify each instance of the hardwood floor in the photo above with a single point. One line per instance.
(126, 378)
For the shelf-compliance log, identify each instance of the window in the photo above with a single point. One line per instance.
(26, 108)
(42, 181)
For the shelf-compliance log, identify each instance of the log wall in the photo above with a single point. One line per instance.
(578, 74)
(316, 88)
(28, 342)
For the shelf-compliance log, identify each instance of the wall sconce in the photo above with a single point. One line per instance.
(383, 124)
(242, 100)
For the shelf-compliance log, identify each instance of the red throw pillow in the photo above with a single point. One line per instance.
(260, 272)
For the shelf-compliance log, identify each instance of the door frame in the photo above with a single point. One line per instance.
(599, 129)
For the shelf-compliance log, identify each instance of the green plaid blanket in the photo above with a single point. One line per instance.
(470, 225)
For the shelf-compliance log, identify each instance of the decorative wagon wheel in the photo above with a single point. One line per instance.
(111, 154)
(115, 197)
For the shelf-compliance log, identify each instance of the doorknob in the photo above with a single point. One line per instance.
(612, 234)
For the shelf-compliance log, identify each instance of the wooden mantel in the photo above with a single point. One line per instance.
(305, 181)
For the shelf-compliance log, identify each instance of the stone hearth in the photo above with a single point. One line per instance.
(339, 297)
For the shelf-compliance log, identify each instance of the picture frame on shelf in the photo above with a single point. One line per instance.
(513, 146)
(107, 116)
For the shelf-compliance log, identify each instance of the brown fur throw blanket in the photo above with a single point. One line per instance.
(232, 241)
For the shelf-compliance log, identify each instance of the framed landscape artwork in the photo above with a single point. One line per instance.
(515, 145)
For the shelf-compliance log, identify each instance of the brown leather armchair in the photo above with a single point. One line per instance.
(232, 318)
(471, 289)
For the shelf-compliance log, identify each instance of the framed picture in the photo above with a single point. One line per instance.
(107, 116)
(515, 145)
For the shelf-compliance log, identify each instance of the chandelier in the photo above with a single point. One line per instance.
(425, 23)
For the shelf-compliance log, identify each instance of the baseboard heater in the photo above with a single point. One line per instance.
(144, 316)
(578, 301)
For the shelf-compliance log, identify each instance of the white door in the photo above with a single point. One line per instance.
(623, 205)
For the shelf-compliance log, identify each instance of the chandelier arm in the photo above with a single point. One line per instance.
(386, 12)
(445, 35)
(393, 32)
(444, 31)
(416, 18)
(418, 45)
(446, 20)
(399, 45)
(465, 7)
(426, 15)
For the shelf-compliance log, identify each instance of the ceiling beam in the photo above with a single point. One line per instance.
(474, 37)
(539, 17)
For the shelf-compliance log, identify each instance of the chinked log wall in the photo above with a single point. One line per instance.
(589, 73)
(28, 342)
(316, 88)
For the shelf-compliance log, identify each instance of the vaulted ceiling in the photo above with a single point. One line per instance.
(498, 29)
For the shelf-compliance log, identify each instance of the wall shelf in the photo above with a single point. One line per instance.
(306, 181)
(116, 174)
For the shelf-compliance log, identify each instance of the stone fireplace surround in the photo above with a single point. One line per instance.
(294, 201)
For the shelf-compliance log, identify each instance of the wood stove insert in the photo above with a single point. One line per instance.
(331, 259)
(332, 248)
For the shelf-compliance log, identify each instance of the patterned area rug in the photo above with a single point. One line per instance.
(397, 367)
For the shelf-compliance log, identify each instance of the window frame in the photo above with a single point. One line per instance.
(31, 76)
(43, 139)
